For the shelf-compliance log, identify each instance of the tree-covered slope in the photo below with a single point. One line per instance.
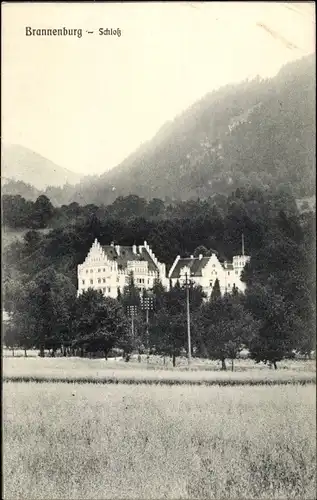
(260, 132)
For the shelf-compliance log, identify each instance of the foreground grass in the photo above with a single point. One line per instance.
(98, 442)
(101, 371)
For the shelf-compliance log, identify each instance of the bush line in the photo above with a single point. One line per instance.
(136, 381)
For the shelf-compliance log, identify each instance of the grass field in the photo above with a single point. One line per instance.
(111, 371)
(77, 441)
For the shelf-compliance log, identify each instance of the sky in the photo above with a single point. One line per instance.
(87, 103)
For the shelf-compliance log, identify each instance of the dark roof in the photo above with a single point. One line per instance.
(229, 266)
(126, 254)
(195, 265)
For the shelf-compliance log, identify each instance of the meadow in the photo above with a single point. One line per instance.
(117, 371)
(75, 441)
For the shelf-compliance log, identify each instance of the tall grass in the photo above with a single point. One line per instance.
(98, 442)
(97, 371)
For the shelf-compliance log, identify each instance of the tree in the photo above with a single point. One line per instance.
(131, 294)
(100, 323)
(168, 333)
(46, 310)
(225, 328)
(10, 335)
(43, 211)
(158, 291)
(169, 329)
(215, 293)
(201, 250)
(32, 240)
(155, 207)
(278, 331)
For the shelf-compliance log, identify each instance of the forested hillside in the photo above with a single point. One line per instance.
(260, 133)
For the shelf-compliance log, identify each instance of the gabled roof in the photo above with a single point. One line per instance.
(195, 265)
(126, 255)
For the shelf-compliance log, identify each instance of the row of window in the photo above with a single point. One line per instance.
(228, 284)
(99, 270)
(99, 280)
(105, 289)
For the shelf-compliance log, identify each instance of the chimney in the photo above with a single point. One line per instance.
(134, 249)
(112, 244)
(117, 247)
(200, 256)
(191, 256)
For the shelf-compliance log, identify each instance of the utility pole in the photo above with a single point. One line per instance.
(242, 244)
(132, 311)
(187, 284)
(147, 304)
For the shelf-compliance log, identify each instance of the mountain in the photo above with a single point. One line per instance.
(21, 164)
(260, 132)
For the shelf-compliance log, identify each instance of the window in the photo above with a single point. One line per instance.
(214, 265)
(229, 285)
(91, 270)
(228, 273)
(83, 282)
(104, 280)
(86, 271)
(109, 289)
(99, 280)
(104, 289)
(99, 270)
(91, 282)
(118, 280)
(148, 282)
(237, 272)
(103, 269)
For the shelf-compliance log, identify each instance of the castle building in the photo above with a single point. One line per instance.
(108, 267)
(204, 271)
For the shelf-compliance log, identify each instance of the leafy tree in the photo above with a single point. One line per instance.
(278, 332)
(225, 328)
(169, 329)
(32, 240)
(168, 334)
(46, 311)
(201, 250)
(43, 211)
(100, 323)
(10, 335)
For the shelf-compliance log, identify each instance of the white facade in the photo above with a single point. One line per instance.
(107, 268)
(204, 271)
